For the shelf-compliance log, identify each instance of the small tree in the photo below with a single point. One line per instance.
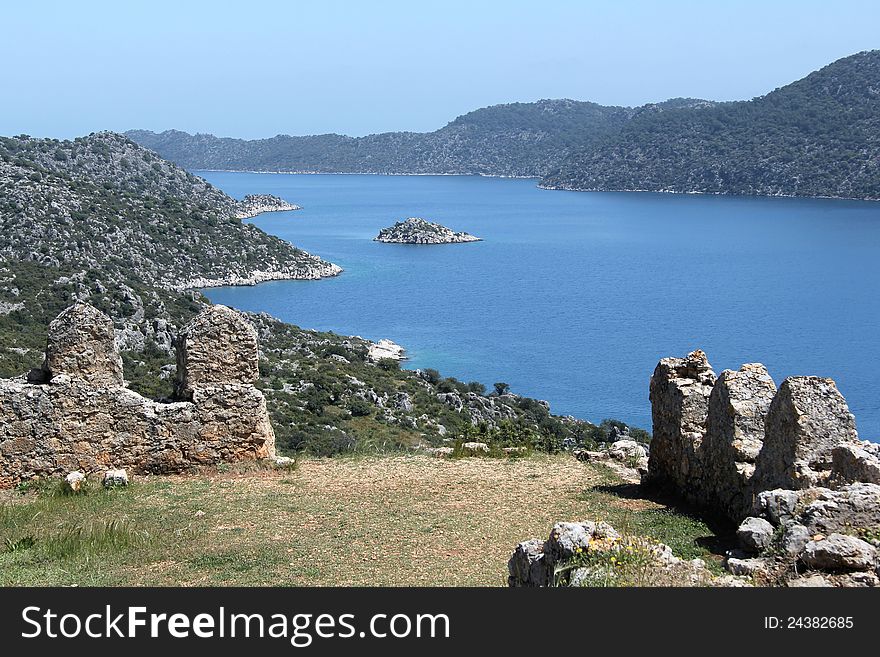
(501, 388)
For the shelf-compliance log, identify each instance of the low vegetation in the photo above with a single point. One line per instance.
(398, 520)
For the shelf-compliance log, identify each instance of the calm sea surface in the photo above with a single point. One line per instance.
(573, 297)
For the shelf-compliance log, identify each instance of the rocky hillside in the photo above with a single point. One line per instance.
(815, 137)
(103, 202)
(418, 231)
(819, 136)
(518, 139)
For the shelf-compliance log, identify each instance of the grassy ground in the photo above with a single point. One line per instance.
(385, 520)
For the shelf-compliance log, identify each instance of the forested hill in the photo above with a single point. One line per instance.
(815, 137)
(519, 139)
(819, 136)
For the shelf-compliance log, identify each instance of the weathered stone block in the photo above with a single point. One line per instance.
(734, 436)
(82, 343)
(218, 346)
(679, 394)
(807, 419)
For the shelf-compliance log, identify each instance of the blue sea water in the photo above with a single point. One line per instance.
(574, 297)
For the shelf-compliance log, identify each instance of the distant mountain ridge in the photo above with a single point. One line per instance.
(819, 136)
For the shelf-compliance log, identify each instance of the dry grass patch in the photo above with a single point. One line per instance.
(385, 521)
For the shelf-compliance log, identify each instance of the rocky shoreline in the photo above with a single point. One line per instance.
(416, 230)
(311, 271)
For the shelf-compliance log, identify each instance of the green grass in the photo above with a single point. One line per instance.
(394, 520)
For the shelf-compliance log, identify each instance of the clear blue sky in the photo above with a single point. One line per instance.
(257, 68)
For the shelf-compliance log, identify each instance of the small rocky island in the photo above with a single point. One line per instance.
(419, 231)
(254, 204)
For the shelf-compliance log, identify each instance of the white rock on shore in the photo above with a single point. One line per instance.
(386, 349)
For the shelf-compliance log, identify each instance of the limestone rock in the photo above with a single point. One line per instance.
(114, 478)
(852, 463)
(778, 504)
(218, 346)
(807, 419)
(570, 538)
(624, 450)
(813, 580)
(385, 349)
(749, 567)
(840, 552)
(82, 343)
(851, 506)
(795, 538)
(74, 481)
(527, 566)
(680, 389)
(755, 534)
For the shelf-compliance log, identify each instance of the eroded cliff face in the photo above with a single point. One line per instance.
(77, 414)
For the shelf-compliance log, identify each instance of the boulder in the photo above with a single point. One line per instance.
(851, 463)
(568, 539)
(851, 506)
(527, 566)
(81, 343)
(755, 534)
(114, 478)
(625, 450)
(749, 567)
(74, 481)
(839, 552)
(777, 505)
(795, 538)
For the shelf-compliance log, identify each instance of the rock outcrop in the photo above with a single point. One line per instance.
(418, 231)
(81, 417)
(592, 553)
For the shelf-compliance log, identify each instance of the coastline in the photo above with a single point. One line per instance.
(551, 188)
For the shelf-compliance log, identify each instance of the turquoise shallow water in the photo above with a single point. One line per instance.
(573, 297)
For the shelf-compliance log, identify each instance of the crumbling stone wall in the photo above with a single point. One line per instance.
(734, 437)
(680, 389)
(720, 443)
(806, 421)
(78, 415)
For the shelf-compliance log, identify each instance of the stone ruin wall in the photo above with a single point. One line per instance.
(75, 413)
(722, 441)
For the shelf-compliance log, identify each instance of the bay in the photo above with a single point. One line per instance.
(573, 297)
